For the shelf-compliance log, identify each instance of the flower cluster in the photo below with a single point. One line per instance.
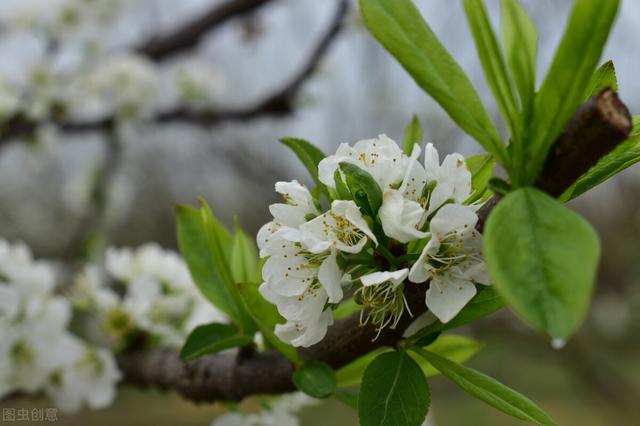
(37, 352)
(146, 290)
(423, 231)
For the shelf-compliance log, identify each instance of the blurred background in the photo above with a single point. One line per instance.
(105, 128)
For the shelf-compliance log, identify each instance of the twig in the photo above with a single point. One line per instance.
(222, 377)
(190, 33)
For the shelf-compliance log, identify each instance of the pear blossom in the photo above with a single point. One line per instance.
(342, 227)
(452, 177)
(382, 297)
(159, 296)
(297, 206)
(300, 283)
(89, 379)
(451, 260)
(381, 157)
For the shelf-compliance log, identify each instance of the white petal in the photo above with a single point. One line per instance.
(447, 296)
(375, 278)
(330, 277)
(453, 217)
(400, 217)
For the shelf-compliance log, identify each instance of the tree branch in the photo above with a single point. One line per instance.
(233, 377)
(601, 124)
(190, 33)
(277, 104)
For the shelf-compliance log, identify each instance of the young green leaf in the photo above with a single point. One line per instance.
(394, 392)
(495, 68)
(342, 192)
(623, 156)
(244, 257)
(455, 348)
(542, 258)
(488, 389)
(206, 270)
(412, 135)
(220, 245)
(212, 338)
(481, 167)
(364, 189)
(399, 27)
(568, 78)
(603, 78)
(316, 379)
(520, 43)
(485, 302)
(266, 317)
(309, 155)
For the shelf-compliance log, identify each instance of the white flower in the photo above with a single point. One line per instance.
(126, 84)
(452, 176)
(401, 218)
(305, 334)
(159, 298)
(90, 379)
(342, 227)
(198, 85)
(451, 260)
(382, 297)
(381, 157)
(37, 347)
(298, 204)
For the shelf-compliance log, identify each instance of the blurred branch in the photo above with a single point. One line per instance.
(279, 103)
(233, 377)
(189, 34)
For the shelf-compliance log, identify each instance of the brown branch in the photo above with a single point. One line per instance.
(601, 124)
(277, 104)
(190, 33)
(231, 377)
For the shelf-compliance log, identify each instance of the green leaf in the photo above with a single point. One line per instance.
(342, 192)
(495, 68)
(399, 27)
(452, 347)
(603, 78)
(316, 379)
(309, 155)
(364, 189)
(266, 317)
(212, 338)
(488, 389)
(394, 392)
(542, 258)
(456, 348)
(623, 156)
(520, 43)
(486, 302)
(568, 78)
(244, 257)
(481, 167)
(412, 135)
(206, 269)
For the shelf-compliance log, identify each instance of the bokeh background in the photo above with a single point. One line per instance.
(48, 193)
